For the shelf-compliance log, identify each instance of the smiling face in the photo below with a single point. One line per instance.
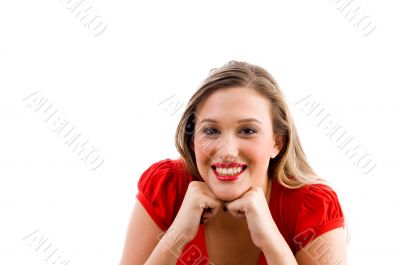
(234, 125)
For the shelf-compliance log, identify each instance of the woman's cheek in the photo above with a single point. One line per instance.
(203, 156)
(206, 150)
(261, 150)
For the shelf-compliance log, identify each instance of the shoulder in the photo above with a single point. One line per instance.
(312, 195)
(308, 212)
(318, 201)
(161, 189)
(164, 174)
(165, 170)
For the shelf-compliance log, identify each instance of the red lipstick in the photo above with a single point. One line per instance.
(225, 165)
(228, 164)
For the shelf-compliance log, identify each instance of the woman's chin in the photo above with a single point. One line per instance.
(227, 192)
(227, 196)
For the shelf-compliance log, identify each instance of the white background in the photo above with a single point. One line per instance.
(110, 86)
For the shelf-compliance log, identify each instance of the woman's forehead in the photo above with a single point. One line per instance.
(239, 103)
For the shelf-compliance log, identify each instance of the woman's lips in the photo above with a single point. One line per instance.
(229, 177)
(228, 164)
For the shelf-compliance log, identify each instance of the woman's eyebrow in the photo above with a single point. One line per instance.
(239, 121)
(249, 120)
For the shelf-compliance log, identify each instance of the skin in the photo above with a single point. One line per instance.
(223, 136)
(225, 139)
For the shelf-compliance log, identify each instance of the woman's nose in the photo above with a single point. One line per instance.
(227, 148)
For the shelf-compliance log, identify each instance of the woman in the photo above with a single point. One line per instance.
(242, 191)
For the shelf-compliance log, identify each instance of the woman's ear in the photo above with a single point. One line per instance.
(278, 143)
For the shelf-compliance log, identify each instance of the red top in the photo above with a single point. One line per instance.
(300, 214)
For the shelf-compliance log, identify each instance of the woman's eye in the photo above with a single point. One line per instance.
(210, 131)
(248, 131)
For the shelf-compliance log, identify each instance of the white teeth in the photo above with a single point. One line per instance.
(228, 171)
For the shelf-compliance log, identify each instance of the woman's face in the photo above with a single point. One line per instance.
(234, 125)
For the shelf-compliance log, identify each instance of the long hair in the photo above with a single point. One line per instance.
(290, 167)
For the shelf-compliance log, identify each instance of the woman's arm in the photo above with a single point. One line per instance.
(142, 244)
(169, 248)
(278, 252)
(327, 249)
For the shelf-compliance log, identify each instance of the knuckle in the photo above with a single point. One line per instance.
(194, 186)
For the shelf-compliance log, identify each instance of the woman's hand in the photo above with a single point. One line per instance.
(253, 206)
(199, 204)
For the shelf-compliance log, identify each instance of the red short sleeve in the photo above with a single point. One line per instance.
(319, 211)
(160, 191)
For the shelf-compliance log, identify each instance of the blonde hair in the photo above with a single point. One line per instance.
(290, 167)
